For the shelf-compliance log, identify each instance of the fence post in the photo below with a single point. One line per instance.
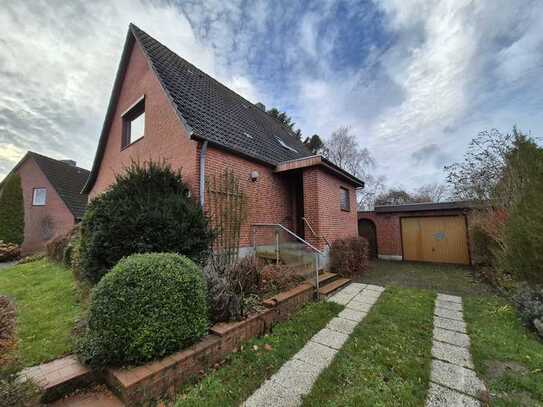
(276, 246)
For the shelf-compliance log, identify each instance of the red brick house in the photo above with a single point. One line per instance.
(163, 107)
(430, 232)
(52, 200)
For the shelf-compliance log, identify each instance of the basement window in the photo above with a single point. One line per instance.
(39, 196)
(344, 199)
(134, 123)
(285, 145)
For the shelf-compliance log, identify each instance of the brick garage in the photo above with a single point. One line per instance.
(387, 222)
(201, 128)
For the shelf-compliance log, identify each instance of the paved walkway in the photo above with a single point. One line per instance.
(453, 380)
(296, 376)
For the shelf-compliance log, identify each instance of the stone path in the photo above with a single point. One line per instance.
(453, 380)
(296, 376)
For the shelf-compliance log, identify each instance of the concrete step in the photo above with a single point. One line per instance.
(324, 278)
(329, 289)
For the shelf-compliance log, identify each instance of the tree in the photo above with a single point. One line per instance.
(398, 196)
(343, 150)
(284, 118)
(12, 211)
(433, 192)
(314, 144)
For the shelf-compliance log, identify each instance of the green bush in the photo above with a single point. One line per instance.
(349, 256)
(148, 306)
(530, 305)
(148, 209)
(12, 211)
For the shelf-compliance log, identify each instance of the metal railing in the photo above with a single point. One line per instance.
(314, 234)
(283, 245)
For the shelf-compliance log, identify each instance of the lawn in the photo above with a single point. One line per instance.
(246, 370)
(507, 356)
(47, 308)
(386, 361)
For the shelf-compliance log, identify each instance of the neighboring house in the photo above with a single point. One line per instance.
(53, 203)
(431, 232)
(163, 107)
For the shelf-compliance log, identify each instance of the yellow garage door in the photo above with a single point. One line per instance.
(440, 239)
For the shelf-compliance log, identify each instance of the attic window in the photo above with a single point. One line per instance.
(285, 145)
(134, 123)
(39, 196)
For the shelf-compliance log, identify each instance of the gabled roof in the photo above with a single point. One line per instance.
(67, 179)
(209, 110)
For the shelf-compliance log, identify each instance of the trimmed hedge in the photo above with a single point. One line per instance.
(349, 256)
(12, 221)
(147, 210)
(148, 306)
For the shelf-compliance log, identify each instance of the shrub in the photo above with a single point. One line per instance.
(54, 249)
(277, 278)
(229, 287)
(148, 209)
(530, 305)
(349, 256)
(12, 211)
(148, 306)
(15, 392)
(9, 251)
(7, 329)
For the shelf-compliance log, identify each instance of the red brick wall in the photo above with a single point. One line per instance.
(268, 198)
(387, 225)
(322, 207)
(164, 137)
(55, 212)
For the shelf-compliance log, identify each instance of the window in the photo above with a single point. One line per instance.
(134, 123)
(39, 197)
(344, 201)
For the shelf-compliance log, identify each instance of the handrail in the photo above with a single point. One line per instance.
(290, 232)
(314, 234)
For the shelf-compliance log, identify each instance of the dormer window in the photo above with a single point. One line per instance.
(134, 123)
(285, 145)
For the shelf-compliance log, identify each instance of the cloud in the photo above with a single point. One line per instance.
(416, 80)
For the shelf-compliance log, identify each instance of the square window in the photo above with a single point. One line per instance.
(134, 123)
(39, 197)
(344, 199)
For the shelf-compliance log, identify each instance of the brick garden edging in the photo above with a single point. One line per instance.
(162, 378)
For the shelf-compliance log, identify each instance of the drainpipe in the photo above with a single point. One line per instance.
(203, 152)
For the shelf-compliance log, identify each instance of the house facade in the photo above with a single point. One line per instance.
(51, 197)
(164, 108)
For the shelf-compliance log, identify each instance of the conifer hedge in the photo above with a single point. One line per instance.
(12, 211)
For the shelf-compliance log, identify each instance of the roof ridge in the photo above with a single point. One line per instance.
(57, 161)
(136, 31)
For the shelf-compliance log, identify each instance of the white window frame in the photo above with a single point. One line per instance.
(133, 113)
(34, 197)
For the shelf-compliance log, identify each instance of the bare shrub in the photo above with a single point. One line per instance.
(349, 257)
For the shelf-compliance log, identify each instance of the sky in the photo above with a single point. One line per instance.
(415, 80)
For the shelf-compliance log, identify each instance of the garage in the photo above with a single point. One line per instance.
(438, 239)
(430, 232)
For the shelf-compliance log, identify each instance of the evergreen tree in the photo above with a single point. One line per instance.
(12, 211)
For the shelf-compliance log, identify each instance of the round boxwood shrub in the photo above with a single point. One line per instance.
(148, 209)
(148, 306)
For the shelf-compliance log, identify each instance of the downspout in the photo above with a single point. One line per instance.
(203, 152)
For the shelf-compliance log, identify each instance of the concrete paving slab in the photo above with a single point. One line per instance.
(447, 313)
(297, 376)
(377, 288)
(452, 337)
(452, 354)
(453, 306)
(342, 325)
(341, 299)
(451, 298)
(272, 394)
(359, 306)
(371, 300)
(457, 378)
(450, 324)
(330, 338)
(439, 396)
(316, 354)
(352, 314)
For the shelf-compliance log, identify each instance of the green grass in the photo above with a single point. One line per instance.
(386, 361)
(498, 339)
(443, 278)
(47, 307)
(245, 371)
